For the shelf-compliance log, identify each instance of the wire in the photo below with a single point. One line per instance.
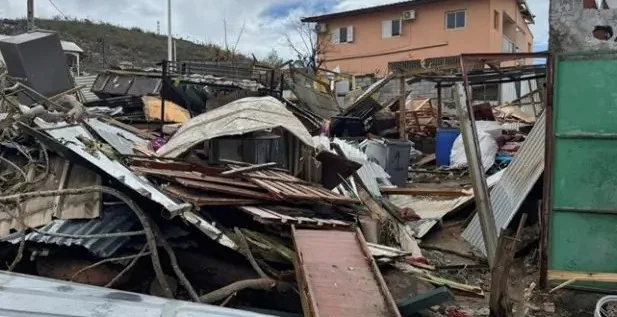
(57, 9)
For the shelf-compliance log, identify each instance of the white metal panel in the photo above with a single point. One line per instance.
(33, 296)
(72, 136)
(518, 180)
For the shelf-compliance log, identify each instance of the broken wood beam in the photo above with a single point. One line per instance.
(424, 191)
(246, 169)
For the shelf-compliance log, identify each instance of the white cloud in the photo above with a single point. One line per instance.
(202, 20)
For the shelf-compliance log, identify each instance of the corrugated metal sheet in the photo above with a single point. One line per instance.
(518, 179)
(236, 118)
(336, 276)
(121, 140)
(88, 81)
(371, 173)
(71, 136)
(432, 209)
(33, 296)
(113, 219)
(270, 215)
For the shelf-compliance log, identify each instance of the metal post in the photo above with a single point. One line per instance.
(402, 126)
(281, 84)
(30, 15)
(480, 189)
(439, 105)
(170, 56)
(163, 77)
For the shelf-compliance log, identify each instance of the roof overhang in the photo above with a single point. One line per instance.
(523, 7)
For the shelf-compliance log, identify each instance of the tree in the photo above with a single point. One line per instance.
(273, 59)
(307, 45)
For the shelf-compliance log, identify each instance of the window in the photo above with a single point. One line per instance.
(391, 28)
(342, 35)
(496, 20)
(455, 20)
(486, 92)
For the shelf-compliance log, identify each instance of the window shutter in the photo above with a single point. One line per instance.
(386, 29)
(334, 36)
(350, 33)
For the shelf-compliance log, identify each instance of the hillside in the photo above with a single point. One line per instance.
(106, 45)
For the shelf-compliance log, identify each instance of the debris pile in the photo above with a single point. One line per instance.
(221, 189)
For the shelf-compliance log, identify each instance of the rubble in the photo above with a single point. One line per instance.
(228, 189)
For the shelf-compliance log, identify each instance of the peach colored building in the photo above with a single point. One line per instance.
(364, 41)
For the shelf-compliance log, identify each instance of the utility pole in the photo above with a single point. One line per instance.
(30, 15)
(474, 160)
(158, 27)
(169, 37)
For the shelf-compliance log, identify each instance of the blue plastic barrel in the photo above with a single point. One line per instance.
(443, 145)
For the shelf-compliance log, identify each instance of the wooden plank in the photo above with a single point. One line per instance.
(260, 212)
(582, 276)
(425, 160)
(84, 206)
(338, 276)
(194, 175)
(450, 192)
(207, 186)
(205, 200)
(248, 169)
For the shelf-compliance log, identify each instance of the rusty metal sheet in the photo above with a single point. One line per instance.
(159, 163)
(194, 175)
(299, 191)
(201, 200)
(338, 276)
(286, 186)
(219, 188)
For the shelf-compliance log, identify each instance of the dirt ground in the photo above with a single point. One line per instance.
(524, 273)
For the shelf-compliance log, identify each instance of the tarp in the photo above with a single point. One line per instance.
(173, 112)
(239, 117)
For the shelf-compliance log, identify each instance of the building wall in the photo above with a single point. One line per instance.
(523, 38)
(424, 37)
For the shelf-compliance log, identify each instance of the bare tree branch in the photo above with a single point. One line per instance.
(308, 45)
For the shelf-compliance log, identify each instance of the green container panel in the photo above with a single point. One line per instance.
(585, 174)
(583, 219)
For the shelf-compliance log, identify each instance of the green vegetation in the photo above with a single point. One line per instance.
(106, 45)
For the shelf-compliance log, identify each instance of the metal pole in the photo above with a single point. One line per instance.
(480, 189)
(169, 36)
(30, 15)
(401, 109)
(439, 105)
(163, 77)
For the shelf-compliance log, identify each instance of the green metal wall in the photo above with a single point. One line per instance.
(583, 219)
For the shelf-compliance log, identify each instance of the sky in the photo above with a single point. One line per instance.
(265, 21)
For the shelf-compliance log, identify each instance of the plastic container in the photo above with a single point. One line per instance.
(393, 156)
(443, 145)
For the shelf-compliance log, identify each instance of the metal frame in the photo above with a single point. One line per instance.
(170, 69)
(485, 212)
(471, 75)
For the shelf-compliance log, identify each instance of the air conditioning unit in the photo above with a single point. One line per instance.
(321, 28)
(409, 15)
